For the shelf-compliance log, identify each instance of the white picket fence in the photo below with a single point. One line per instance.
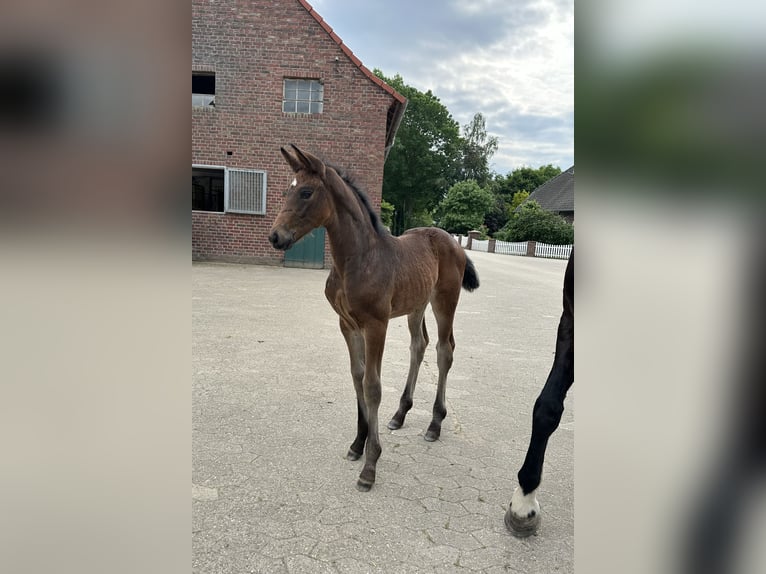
(517, 247)
(511, 248)
(553, 251)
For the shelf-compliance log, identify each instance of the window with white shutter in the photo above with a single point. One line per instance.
(232, 190)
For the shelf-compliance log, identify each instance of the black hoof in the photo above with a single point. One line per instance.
(363, 485)
(394, 424)
(522, 527)
(353, 455)
(431, 436)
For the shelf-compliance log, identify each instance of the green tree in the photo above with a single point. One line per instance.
(424, 161)
(518, 198)
(478, 149)
(464, 207)
(533, 223)
(386, 213)
(524, 179)
(502, 210)
(506, 188)
(497, 216)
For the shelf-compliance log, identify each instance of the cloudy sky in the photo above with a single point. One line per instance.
(511, 60)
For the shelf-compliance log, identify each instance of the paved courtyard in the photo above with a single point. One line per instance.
(274, 412)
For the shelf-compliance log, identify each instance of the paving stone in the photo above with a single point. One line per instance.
(459, 494)
(484, 559)
(305, 565)
(448, 508)
(458, 540)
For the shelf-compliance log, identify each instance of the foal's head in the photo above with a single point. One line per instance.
(308, 204)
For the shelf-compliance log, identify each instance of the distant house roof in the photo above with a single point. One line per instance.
(556, 194)
(396, 112)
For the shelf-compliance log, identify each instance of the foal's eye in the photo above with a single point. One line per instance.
(306, 193)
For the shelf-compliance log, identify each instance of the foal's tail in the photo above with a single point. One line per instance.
(470, 277)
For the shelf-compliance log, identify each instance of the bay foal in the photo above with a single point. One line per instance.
(374, 277)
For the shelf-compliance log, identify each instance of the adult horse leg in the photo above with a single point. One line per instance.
(355, 343)
(418, 343)
(523, 515)
(374, 342)
(444, 311)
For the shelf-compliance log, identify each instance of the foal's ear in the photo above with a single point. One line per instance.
(306, 161)
(291, 159)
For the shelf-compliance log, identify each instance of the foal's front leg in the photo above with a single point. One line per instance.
(355, 344)
(374, 342)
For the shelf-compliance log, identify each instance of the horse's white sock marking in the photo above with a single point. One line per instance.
(522, 505)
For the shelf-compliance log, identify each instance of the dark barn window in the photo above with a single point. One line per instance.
(207, 189)
(203, 89)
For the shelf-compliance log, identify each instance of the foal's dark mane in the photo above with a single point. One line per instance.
(377, 225)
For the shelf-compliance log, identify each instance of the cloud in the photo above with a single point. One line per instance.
(511, 61)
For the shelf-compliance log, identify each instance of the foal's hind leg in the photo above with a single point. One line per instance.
(418, 343)
(355, 343)
(445, 315)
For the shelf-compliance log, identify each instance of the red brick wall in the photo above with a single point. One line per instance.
(252, 47)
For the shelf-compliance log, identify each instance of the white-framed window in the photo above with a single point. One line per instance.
(228, 190)
(302, 96)
(203, 89)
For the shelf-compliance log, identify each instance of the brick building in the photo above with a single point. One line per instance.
(266, 73)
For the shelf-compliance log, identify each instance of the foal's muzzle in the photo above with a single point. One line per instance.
(280, 240)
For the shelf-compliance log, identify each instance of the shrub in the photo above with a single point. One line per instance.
(464, 207)
(533, 223)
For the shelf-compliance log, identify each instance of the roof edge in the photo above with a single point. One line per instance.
(568, 171)
(346, 50)
(391, 135)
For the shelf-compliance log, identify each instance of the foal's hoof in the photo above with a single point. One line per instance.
(353, 455)
(363, 485)
(520, 526)
(394, 424)
(432, 435)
